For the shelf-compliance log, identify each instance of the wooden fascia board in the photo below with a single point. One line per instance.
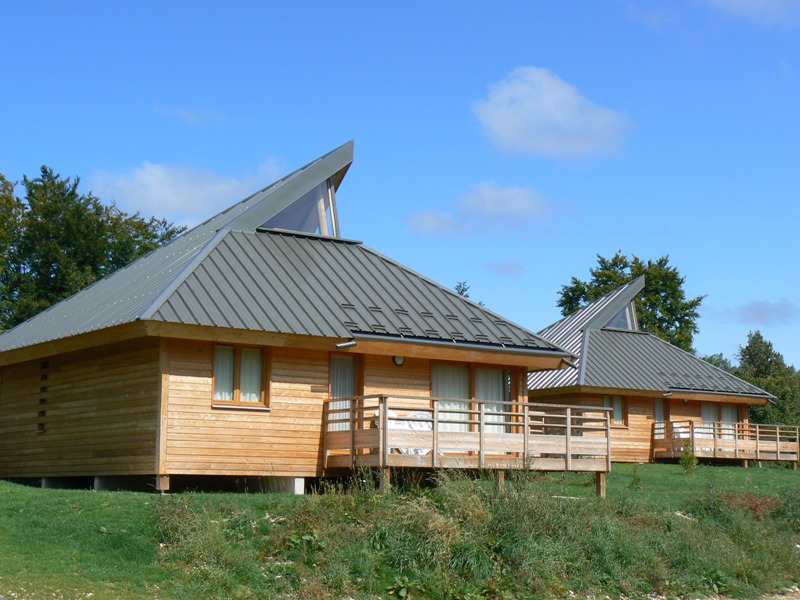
(453, 352)
(531, 361)
(73, 343)
(676, 394)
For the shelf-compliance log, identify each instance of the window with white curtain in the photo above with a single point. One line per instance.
(494, 386)
(343, 385)
(618, 404)
(239, 375)
(451, 384)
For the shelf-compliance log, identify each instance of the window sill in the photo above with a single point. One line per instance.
(256, 408)
(620, 426)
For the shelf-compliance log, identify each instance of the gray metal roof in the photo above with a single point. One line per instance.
(231, 272)
(289, 282)
(628, 359)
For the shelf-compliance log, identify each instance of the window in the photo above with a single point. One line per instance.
(343, 385)
(618, 414)
(239, 376)
(452, 384)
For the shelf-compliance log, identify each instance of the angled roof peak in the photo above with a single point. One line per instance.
(302, 201)
(615, 309)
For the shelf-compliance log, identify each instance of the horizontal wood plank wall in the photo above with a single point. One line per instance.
(83, 413)
(413, 378)
(286, 441)
(629, 443)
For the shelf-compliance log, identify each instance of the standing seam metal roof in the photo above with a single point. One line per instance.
(231, 272)
(625, 359)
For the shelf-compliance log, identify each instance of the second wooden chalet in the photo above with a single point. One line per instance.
(261, 343)
(661, 397)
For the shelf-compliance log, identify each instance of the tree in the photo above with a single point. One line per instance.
(662, 309)
(57, 241)
(762, 365)
(462, 289)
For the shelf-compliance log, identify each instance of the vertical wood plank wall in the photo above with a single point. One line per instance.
(83, 413)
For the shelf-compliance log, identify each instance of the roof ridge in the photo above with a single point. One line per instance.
(181, 276)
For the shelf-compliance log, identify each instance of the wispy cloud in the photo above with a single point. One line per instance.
(192, 116)
(766, 313)
(533, 111)
(431, 221)
(486, 205)
(508, 268)
(179, 193)
(654, 17)
(763, 12)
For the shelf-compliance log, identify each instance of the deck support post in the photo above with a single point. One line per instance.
(745, 463)
(162, 483)
(794, 465)
(600, 484)
(501, 481)
(385, 480)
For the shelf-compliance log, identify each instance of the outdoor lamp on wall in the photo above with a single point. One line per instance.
(399, 360)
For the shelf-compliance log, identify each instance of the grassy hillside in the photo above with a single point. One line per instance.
(725, 530)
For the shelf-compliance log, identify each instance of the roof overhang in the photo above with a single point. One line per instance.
(532, 359)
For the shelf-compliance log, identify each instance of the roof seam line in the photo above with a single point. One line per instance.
(181, 276)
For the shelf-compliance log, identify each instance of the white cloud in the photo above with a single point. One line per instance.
(179, 193)
(431, 221)
(766, 313)
(533, 111)
(513, 203)
(765, 12)
(486, 205)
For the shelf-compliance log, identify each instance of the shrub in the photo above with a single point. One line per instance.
(688, 460)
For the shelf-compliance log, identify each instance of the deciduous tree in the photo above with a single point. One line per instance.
(57, 241)
(762, 365)
(662, 309)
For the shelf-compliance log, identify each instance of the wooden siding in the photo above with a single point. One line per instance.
(632, 442)
(283, 441)
(85, 413)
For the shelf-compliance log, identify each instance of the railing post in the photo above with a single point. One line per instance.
(736, 440)
(435, 431)
(758, 439)
(325, 417)
(608, 440)
(352, 433)
(568, 439)
(481, 441)
(691, 434)
(525, 431)
(382, 423)
(778, 442)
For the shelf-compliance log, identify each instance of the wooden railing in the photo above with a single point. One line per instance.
(387, 431)
(741, 441)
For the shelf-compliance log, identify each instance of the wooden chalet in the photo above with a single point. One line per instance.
(660, 396)
(262, 344)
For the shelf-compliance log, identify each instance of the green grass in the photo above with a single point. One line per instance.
(724, 530)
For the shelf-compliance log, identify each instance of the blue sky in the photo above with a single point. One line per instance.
(501, 143)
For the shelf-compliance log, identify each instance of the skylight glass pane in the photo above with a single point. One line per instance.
(303, 214)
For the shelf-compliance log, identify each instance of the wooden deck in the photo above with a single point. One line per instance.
(400, 431)
(737, 441)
